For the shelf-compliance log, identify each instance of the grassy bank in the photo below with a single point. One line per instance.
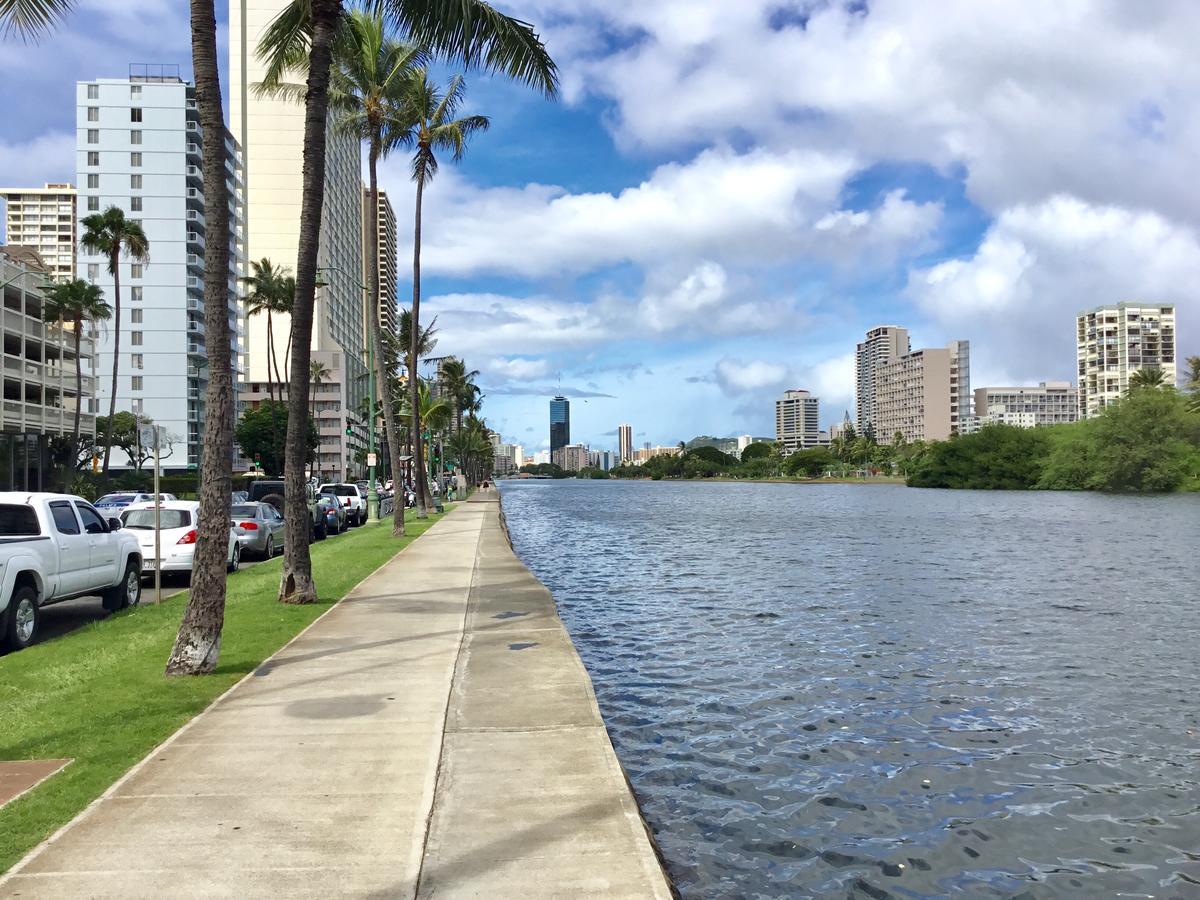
(98, 695)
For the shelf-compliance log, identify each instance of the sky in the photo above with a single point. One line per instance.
(726, 196)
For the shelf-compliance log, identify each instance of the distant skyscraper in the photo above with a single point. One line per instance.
(798, 421)
(385, 218)
(625, 442)
(560, 424)
(924, 395)
(44, 219)
(1114, 341)
(882, 345)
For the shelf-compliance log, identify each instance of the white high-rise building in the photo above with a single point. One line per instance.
(271, 132)
(44, 219)
(798, 422)
(385, 230)
(139, 147)
(625, 443)
(1114, 341)
(882, 345)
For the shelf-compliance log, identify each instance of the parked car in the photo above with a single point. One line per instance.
(272, 492)
(335, 513)
(177, 520)
(354, 501)
(262, 527)
(56, 547)
(111, 504)
(240, 496)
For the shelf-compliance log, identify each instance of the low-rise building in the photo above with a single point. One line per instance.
(1049, 403)
(647, 452)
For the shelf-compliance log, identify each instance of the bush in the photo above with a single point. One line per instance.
(809, 463)
(997, 457)
(757, 450)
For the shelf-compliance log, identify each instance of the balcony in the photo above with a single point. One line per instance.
(195, 349)
(195, 304)
(196, 238)
(193, 149)
(194, 283)
(194, 172)
(195, 260)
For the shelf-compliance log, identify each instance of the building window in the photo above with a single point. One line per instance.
(135, 160)
(135, 204)
(135, 114)
(135, 136)
(135, 182)
(135, 316)
(135, 294)
(93, 271)
(93, 204)
(93, 92)
(135, 90)
(137, 405)
(136, 382)
(93, 136)
(93, 158)
(135, 338)
(93, 181)
(135, 270)
(93, 113)
(135, 361)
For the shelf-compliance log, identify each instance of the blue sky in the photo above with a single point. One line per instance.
(727, 195)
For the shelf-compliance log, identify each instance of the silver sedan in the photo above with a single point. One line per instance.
(263, 526)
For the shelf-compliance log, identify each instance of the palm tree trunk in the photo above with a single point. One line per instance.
(199, 641)
(380, 373)
(270, 356)
(420, 476)
(78, 387)
(297, 585)
(115, 263)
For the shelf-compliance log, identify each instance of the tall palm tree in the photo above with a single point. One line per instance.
(198, 643)
(270, 290)
(460, 385)
(113, 235)
(436, 129)
(1151, 378)
(470, 31)
(76, 302)
(318, 374)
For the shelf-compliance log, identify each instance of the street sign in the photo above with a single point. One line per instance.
(148, 435)
(372, 459)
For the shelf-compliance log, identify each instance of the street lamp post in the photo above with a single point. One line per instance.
(372, 492)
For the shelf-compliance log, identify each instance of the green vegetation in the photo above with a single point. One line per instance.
(262, 435)
(1147, 442)
(99, 696)
(552, 469)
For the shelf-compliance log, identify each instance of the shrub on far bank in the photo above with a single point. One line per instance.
(997, 457)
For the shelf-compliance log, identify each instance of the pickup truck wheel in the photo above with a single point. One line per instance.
(128, 592)
(23, 617)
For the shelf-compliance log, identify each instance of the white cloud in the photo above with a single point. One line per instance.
(516, 368)
(26, 164)
(1038, 265)
(737, 377)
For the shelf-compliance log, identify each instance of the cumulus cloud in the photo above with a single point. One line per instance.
(735, 376)
(1038, 265)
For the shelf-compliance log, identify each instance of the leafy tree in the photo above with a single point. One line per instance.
(810, 463)
(711, 455)
(1192, 380)
(592, 473)
(113, 235)
(1146, 442)
(305, 31)
(76, 302)
(757, 450)
(260, 438)
(124, 432)
(997, 457)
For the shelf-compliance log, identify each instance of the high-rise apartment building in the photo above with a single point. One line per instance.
(571, 458)
(882, 345)
(625, 443)
(271, 132)
(923, 395)
(1050, 403)
(798, 421)
(560, 424)
(1114, 341)
(139, 147)
(385, 223)
(44, 219)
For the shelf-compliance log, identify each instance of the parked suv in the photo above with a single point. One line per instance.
(272, 492)
(352, 498)
(55, 547)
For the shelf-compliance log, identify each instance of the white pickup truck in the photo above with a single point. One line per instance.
(54, 547)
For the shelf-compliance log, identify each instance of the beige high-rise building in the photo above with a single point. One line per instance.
(385, 219)
(798, 421)
(923, 395)
(1114, 341)
(625, 443)
(883, 344)
(44, 219)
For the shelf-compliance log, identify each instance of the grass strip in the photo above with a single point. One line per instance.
(98, 694)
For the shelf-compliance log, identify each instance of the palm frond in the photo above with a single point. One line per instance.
(31, 19)
(284, 45)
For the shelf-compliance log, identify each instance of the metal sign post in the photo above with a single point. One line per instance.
(149, 436)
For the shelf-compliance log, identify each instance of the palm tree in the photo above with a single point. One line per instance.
(460, 385)
(318, 374)
(76, 302)
(32, 18)
(467, 30)
(113, 235)
(435, 130)
(198, 642)
(271, 290)
(1193, 382)
(1151, 378)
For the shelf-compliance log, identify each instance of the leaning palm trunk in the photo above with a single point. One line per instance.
(199, 641)
(380, 374)
(296, 584)
(420, 477)
(115, 262)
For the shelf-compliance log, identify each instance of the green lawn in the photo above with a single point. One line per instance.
(98, 695)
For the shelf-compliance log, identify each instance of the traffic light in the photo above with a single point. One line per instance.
(349, 429)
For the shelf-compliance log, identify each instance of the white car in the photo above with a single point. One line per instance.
(353, 498)
(177, 535)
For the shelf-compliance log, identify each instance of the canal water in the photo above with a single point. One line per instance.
(871, 691)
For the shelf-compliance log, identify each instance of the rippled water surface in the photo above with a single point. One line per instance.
(865, 691)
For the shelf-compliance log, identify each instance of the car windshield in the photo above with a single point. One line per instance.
(249, 511)
(108, 499)
(342, 490)
(168, 518)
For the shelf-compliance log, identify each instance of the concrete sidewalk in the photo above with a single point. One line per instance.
(433, 735)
